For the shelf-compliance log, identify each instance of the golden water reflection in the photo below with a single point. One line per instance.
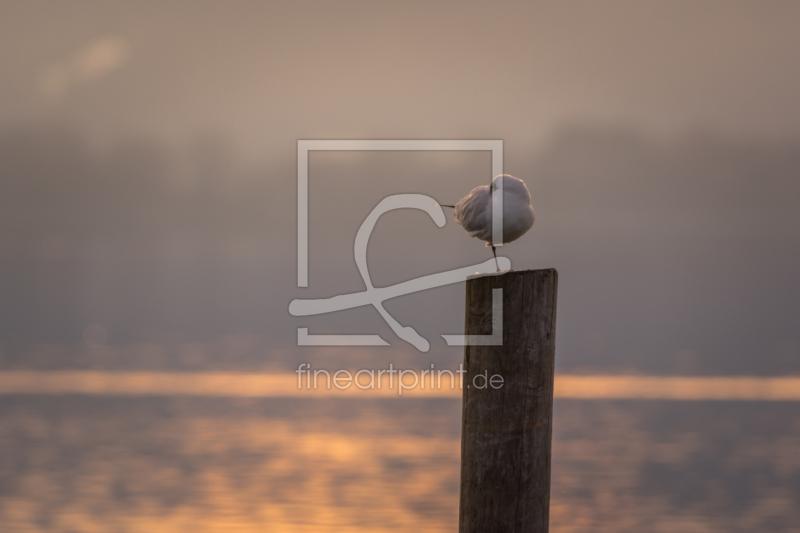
(98, 464)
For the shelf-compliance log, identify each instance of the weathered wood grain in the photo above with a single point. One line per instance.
(506, 432)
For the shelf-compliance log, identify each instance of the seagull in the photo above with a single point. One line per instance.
(474, 211)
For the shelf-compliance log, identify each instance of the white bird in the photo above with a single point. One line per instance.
(474, 211)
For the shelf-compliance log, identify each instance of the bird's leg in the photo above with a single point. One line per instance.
(494, 251)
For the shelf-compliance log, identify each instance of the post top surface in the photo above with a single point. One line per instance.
(478, 276)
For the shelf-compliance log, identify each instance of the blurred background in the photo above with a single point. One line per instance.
(148, 222)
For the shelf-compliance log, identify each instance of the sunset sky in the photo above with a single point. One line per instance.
(149, 175)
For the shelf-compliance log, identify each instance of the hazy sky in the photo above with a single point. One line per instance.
(147, 159)
(266, 73)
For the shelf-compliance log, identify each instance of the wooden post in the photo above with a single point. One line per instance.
(506, 431)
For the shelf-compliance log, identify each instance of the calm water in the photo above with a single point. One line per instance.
(102, 464)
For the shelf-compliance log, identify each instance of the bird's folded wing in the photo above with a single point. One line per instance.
(473, 212)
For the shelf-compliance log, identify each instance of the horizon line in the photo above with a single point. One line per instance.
(285, 385)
